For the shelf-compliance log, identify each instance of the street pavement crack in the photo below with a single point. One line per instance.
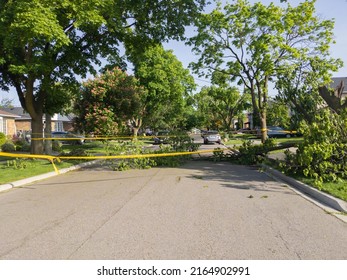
(114, 213)
(50, 225)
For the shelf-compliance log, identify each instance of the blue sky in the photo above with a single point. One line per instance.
(326, 9)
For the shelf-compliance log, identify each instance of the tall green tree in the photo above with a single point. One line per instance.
(167, 83)
(43, 43)
(279, 113)
(219, 106)
(254, 43)
(108, 102)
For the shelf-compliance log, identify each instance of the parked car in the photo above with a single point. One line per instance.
(70, 136)
(211, 136)
(277, 131)
(161, 137)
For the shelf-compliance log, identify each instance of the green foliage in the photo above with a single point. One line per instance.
(8, 147)
(3, 138)
(167, 85)
(22, 145)
(76, 152)
(218, 154)
(128, 148)
(278, 114)
(219, 106)
(253, 154)
(181, 142)
(19, 164)
(45, 46)
(169, 161)
(254, 43)
(108, 101)
(57, 146)
(323, 153)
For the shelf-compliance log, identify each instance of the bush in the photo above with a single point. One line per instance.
(57, 146)
(254, 154)
(323, 153)
(2, 138)
(8, 147)
(22, 145)
(182, 142)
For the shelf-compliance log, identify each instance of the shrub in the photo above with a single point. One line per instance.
(2, 138)
(22, 145)
(254, 154)
(57, 146)
(181, 142)
(8, 147)
(323, 153)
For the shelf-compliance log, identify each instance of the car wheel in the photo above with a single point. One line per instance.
(288, 135)
(205, 141)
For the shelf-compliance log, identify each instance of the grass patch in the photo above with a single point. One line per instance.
(14, 169)
(238, 139)
(336, 189)
(95, 147)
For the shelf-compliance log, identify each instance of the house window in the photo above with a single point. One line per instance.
(2, 128)
(59, 126)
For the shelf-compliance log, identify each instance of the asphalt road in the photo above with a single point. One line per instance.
(202, 210)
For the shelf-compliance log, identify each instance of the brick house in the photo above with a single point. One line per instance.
(7, 123)
(22, 120)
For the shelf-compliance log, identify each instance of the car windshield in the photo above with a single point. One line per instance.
(212, 132)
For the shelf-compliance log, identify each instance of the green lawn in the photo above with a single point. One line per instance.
(95, 147)
(338, 189)
(238, 139)
(25, 168)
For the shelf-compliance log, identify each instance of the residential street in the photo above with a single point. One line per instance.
(202, 210)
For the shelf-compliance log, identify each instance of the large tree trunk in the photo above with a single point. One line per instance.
(263, 126)
(136, 123)
(334, 97)
(37, 133)
(48, 134)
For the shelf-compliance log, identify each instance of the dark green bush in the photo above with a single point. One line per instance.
(254, 154)
(323, 153)
(8, 147)
(22, 145)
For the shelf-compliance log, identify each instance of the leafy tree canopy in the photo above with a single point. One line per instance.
(220, 106)
(43, 43)
(168, 85)
(255, 43)
(108, 101)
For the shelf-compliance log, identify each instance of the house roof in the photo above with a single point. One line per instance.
(18, 111)
(20, 114)
(4, 113)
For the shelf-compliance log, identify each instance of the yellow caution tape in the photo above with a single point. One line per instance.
(47, 157)
(51, 159)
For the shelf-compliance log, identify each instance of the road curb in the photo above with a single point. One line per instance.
(33, 179)
(329, 200)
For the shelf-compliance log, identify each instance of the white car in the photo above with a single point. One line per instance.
(211, 136)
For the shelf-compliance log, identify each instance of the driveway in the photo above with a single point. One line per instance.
(202, 210)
